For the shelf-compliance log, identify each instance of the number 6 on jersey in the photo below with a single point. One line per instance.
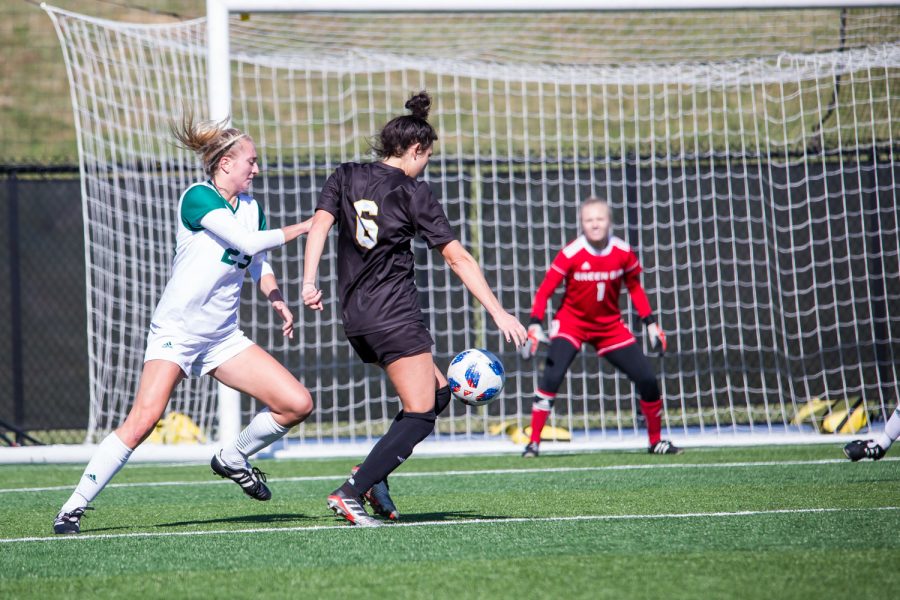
(366, 227)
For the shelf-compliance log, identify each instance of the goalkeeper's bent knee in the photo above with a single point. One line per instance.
(648, 388)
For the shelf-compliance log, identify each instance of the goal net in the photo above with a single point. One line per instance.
(750, 157)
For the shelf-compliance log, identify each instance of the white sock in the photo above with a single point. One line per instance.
(261, 432)
(891, 430)
(110, 457)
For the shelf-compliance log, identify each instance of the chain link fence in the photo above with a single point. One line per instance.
(43, 340)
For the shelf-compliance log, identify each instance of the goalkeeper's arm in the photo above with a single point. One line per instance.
(642, 304)
(536, 334)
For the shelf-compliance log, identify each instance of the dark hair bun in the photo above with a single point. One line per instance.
(404, 131)
(419, 104)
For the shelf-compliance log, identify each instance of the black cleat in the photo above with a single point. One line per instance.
(351, 509)
(664, 447)
(69, 522)
(531, 450)
(863, 450)
(252, 481)
(379, 498)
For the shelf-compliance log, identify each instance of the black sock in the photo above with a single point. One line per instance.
(441, 402)
(407, 430)
(441, 399)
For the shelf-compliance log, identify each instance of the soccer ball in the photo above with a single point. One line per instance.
(476, 376)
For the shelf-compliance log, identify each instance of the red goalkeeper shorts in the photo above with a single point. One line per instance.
(605, 337)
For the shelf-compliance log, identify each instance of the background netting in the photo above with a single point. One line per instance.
(750, 157)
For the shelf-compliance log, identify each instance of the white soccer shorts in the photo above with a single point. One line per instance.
(195, 357)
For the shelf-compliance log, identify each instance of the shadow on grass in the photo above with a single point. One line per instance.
(448, 516)
(297, 519)
(243, 519)
(246, 519)
(552, 455)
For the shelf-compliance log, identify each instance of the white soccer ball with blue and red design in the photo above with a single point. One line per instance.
(476, 376)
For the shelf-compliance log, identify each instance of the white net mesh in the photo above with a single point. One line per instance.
(750, 157)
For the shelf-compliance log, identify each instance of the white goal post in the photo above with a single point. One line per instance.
(749, 156)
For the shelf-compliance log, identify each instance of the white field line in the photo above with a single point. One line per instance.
(788, 463)
(344, 527)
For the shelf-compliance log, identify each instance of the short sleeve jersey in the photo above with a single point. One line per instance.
(593, 278)
(201, 299)
(379, 210)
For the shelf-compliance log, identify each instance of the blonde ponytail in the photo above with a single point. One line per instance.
(210, 140)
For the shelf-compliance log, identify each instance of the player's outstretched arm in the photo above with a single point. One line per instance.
(292, 232)
(220, 223)
(315, 243)
(465, 267)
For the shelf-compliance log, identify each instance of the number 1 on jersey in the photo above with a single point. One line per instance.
(366, 227)
(601, 289)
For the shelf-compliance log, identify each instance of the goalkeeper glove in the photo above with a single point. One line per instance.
(656, 334)
(536, 335)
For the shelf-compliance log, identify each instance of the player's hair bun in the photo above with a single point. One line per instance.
(404, 131)
(419, 104)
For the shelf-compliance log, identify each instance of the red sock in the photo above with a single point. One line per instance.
(538, 420)
(653, 415)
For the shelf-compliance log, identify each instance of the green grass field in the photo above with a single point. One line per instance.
(779, 522)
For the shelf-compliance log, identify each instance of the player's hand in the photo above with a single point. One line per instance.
(512, 330)
(287, 317)
(657, 337)
(536, 336)
(312, 296)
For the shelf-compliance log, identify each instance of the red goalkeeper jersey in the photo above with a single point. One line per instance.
(594, 281)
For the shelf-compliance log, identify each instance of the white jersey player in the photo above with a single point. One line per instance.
(201, 300)
(222, 234)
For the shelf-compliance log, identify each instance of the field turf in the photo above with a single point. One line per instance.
(769, 522)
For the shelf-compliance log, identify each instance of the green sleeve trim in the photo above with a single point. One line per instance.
(198, 201)
(262, 217)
